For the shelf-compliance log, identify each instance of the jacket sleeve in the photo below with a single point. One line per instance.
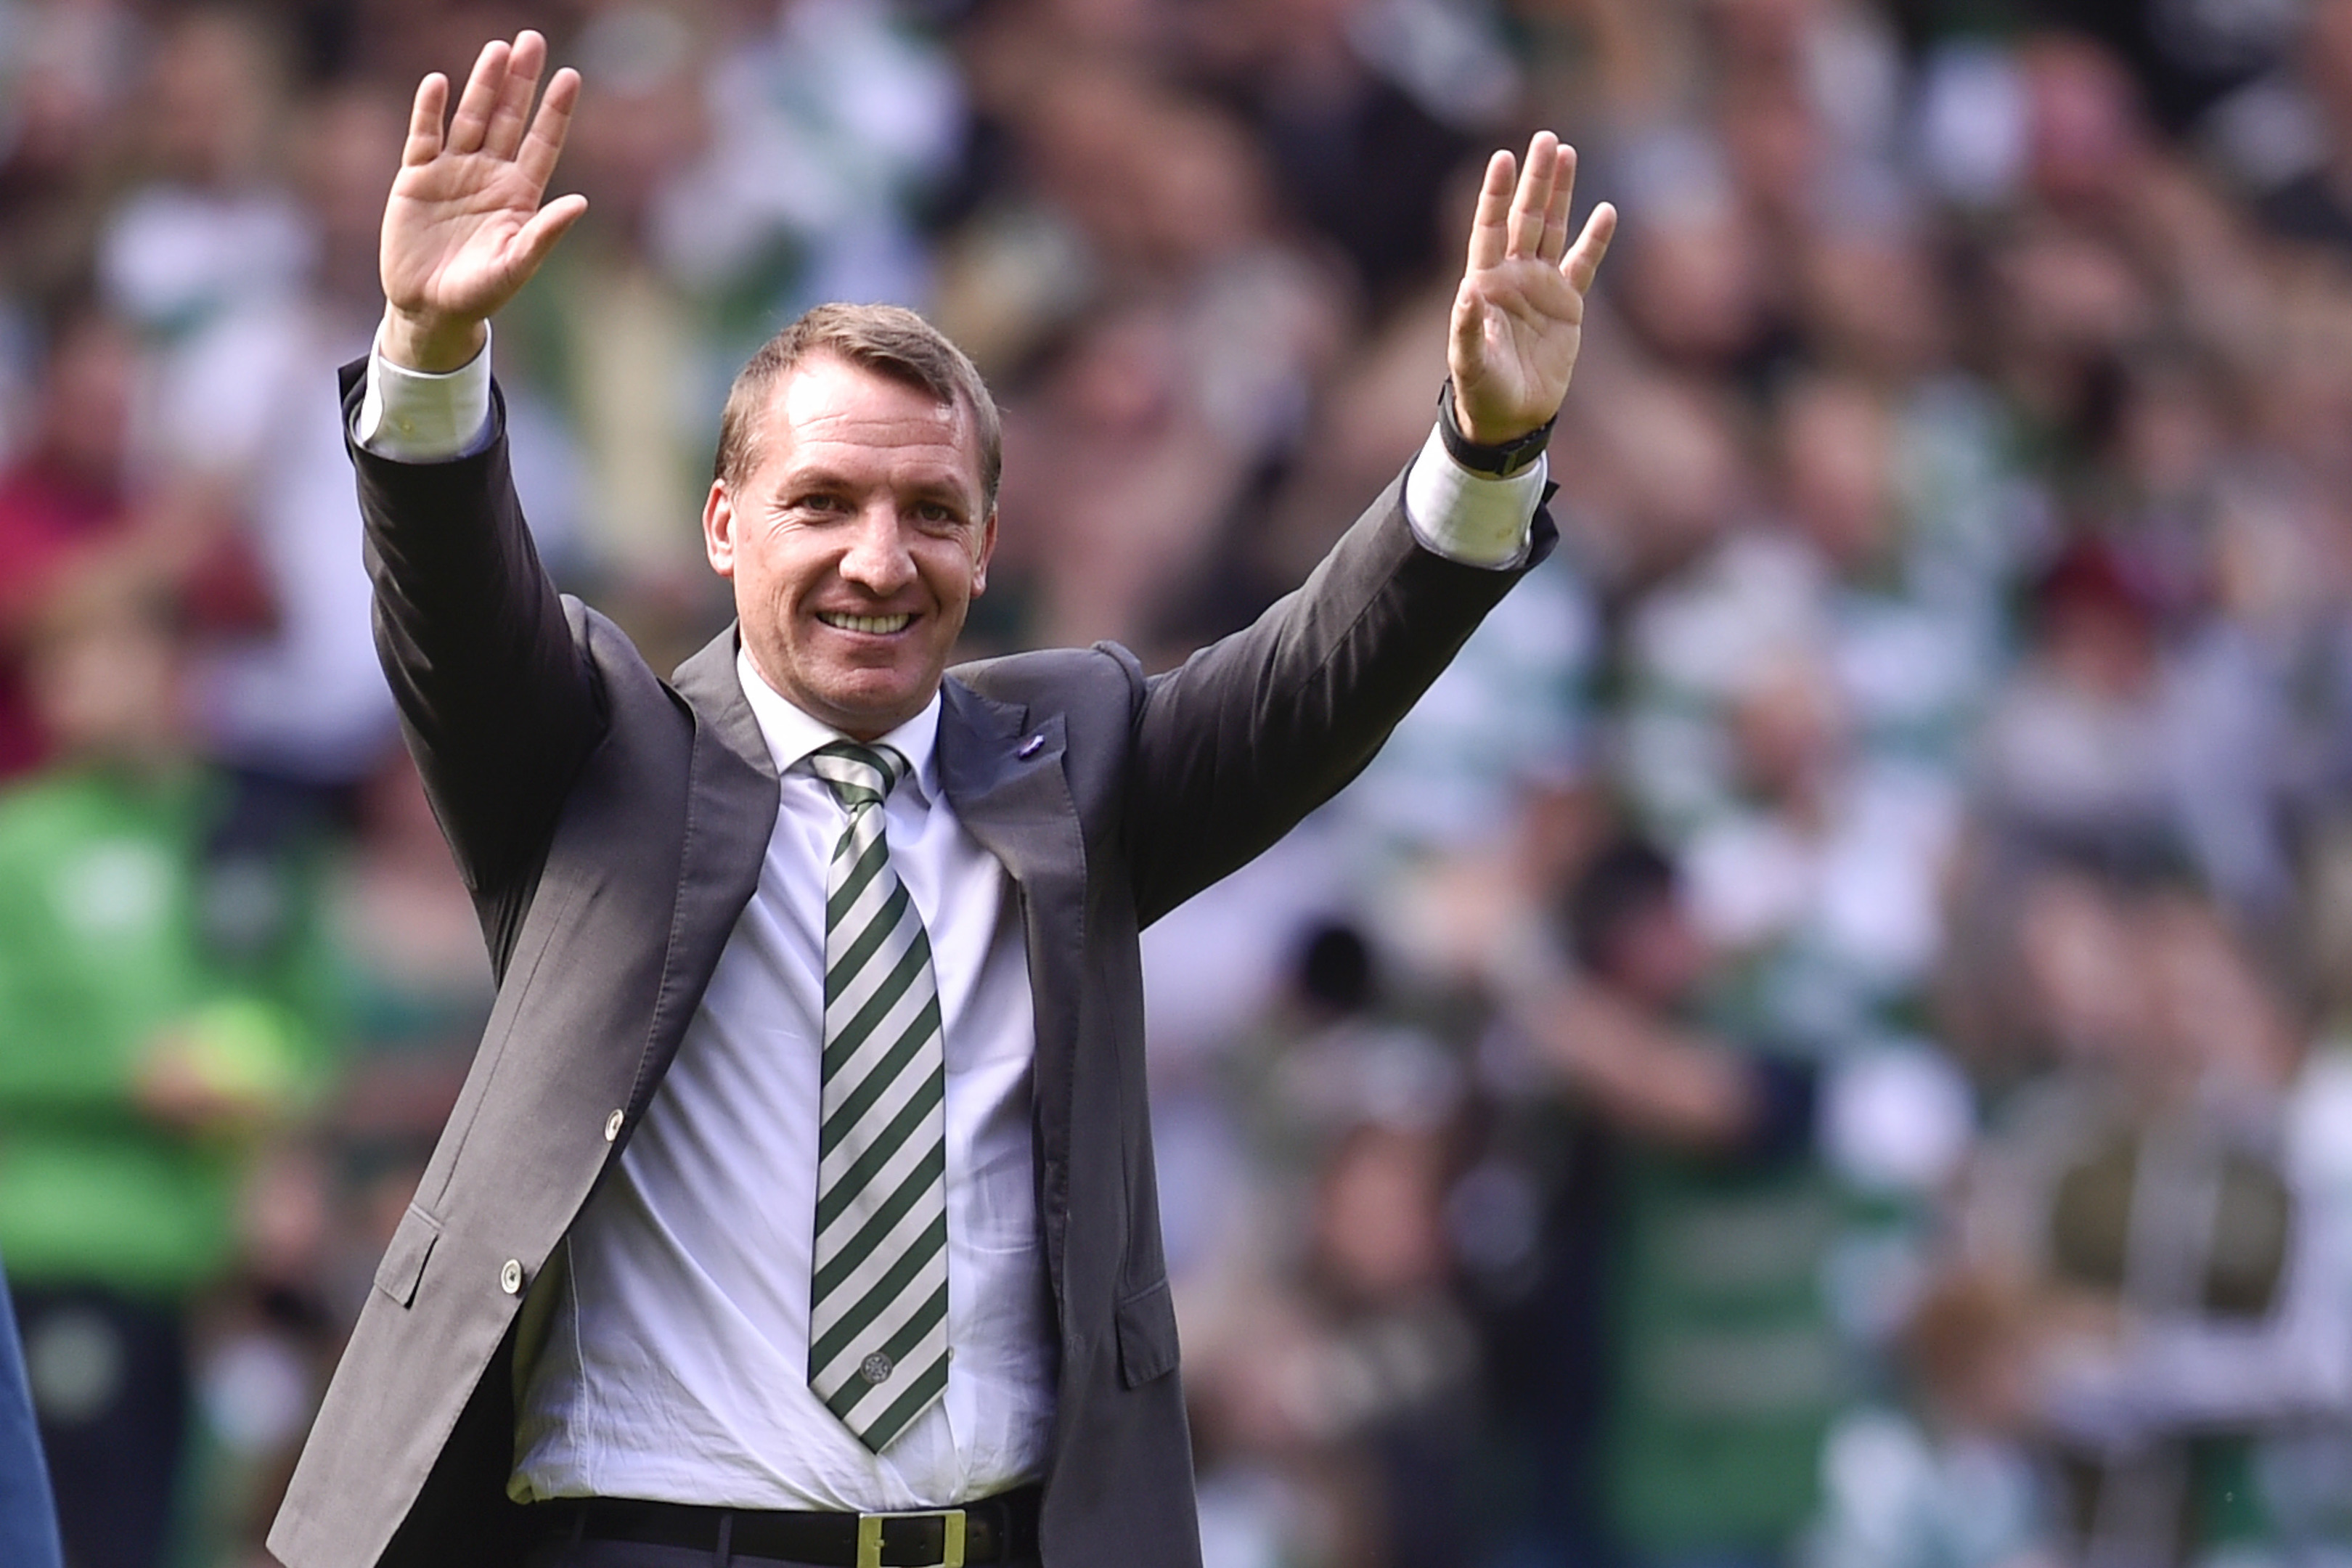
(499, 703)
(1258, 729)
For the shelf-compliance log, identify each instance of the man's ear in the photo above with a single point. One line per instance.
(987, 549)
(719, 529)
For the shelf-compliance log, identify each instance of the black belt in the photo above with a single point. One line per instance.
(993, 1530)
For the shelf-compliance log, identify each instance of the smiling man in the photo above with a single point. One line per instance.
(799, 1207)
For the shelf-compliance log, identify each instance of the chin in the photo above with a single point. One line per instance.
(874, 712)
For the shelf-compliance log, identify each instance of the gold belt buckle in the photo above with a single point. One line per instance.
(952, 1533)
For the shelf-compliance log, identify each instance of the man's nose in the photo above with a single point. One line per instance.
(877, 559)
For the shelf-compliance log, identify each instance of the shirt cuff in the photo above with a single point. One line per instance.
(418, 417)
(1471, 518)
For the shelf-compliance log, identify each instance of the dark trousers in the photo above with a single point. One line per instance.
(109, 1381)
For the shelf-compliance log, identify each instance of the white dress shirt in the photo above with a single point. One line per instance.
(676, 1364)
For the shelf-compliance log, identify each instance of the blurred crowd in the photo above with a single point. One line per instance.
(1821, 1043)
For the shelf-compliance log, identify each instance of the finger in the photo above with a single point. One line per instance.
(536, 157)
(1534, 196)
(537, 237)
(479, 98)
(425, 121)
(1563, 190)
(1487, 237)
(512, 113)
(1584, 259)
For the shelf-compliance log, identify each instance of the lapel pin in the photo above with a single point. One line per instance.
(1031, 747)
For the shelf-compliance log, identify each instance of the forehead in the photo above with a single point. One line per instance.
(830, 411)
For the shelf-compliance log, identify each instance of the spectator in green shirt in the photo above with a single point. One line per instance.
(159, 1010)
(1688, 1248)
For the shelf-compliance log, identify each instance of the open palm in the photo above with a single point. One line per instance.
(463, 228)
(1518, 317)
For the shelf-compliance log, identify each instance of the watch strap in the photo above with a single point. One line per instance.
(1497, 461)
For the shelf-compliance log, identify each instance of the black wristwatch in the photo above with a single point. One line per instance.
(1497, 462)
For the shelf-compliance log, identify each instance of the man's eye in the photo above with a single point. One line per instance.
(821, 502)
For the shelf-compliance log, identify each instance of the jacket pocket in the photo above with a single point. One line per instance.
(404, 1262)
(1145, 1322)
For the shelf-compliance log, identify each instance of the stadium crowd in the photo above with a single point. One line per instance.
(1819, 1045)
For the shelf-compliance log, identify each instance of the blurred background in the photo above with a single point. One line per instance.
(1819, 1045)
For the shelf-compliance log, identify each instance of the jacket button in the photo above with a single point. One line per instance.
(510, 1276)
(612, 1127)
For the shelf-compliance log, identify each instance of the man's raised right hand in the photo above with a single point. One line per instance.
(464, 229)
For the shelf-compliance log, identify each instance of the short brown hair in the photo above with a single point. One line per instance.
(888, 339)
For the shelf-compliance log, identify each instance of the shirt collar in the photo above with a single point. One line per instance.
(792, 734)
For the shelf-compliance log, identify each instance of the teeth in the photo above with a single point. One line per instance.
(880, 624)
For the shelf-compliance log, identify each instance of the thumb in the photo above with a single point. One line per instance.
(1466, 348)
(537, 237)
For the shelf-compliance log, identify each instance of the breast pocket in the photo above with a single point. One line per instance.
(1146, 1324)
(402, 1269)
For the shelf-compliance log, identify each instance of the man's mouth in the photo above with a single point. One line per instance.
(873, 626)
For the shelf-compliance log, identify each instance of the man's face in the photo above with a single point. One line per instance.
(855, 544)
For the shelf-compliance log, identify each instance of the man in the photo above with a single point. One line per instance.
(803, 1174)
(1687, 1149)
(161, 1007)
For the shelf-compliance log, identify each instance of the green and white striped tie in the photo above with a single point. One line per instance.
(878, 1290)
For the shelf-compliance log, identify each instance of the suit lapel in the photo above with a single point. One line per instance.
(708, 682)
(731, 815)
(1004, 777)
(1005, 780)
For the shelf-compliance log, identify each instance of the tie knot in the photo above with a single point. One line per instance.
(858, 775)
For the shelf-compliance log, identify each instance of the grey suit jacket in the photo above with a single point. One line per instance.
(611, 828)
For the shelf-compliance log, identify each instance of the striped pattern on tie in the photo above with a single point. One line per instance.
(878, 1290)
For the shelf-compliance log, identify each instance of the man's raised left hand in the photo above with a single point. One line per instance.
(1518, 317)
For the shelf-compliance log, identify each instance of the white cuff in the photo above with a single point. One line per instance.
(417, 416)
(1474, 518)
